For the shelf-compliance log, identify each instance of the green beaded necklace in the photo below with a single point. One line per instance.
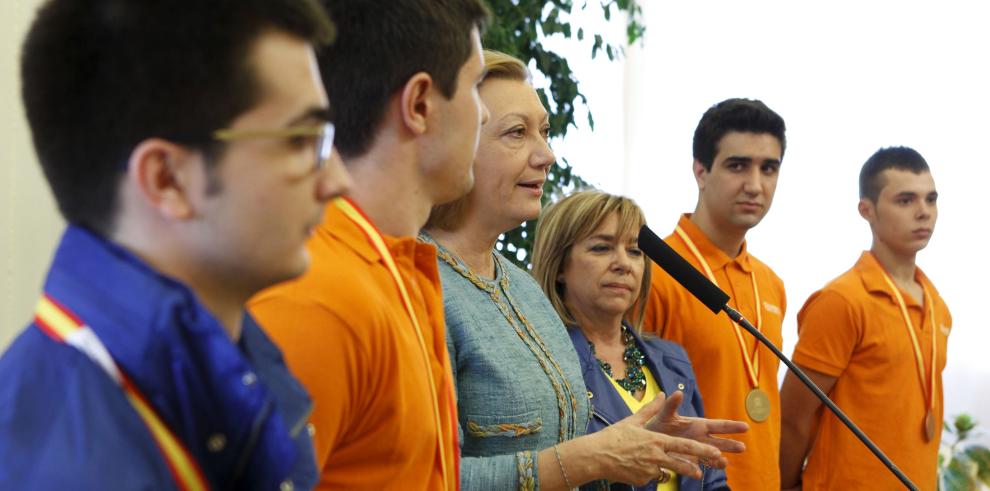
(634, 380)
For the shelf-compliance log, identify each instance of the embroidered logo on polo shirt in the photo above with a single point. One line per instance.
(945, 329)
(769, 307)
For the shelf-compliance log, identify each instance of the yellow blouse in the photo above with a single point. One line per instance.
(651, 391)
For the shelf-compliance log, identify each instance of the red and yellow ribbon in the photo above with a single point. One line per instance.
(929, 305)
(752, 363)
(62, 325)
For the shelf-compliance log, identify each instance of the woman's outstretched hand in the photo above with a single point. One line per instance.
(632, 451)
(702, 430)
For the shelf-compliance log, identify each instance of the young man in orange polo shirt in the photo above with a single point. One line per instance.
(364, 329)
(874, 339)
(738, 148)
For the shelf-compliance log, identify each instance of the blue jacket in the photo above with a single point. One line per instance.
(65, 424)
(671, 368)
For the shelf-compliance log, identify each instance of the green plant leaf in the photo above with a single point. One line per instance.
(951, 480)
(954, 478)
(980, 456)
(964, 423)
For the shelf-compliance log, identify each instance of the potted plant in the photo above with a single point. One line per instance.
(962, 467)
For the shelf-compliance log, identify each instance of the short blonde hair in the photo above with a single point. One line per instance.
(498, 66)
(503, 66)
(571, 220)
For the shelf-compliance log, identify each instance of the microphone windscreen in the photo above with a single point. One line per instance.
(678, 268)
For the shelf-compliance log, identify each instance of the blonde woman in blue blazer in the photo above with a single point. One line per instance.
(587, 261)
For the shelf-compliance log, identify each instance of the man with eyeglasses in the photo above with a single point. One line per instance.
(364, 327)
(188, 147)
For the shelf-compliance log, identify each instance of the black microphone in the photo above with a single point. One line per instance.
(688, 276)
(715, 299)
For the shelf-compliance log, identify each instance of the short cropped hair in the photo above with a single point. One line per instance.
(98, 77)
(382, 44)
(498, 66)
(903, 158)
(739, 115)
(571, 220)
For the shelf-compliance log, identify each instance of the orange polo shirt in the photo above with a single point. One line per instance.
(710, 341)
(347, 336)
(853, 329)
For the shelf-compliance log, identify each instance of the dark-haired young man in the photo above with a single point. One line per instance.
(364, 328)
(738, 148)
(188, 147)
(874, 339)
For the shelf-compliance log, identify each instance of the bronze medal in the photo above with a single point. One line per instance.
(758, 405)
(927, 389)
(757, 401)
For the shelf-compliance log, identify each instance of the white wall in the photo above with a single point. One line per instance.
(29, 223)
(848, 77)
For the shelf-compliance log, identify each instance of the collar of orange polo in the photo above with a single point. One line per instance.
(871, 271)
(716, 258)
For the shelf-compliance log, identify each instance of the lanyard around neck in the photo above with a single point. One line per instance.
(752, 363)
(929, 305)
(378, 242)
(63, 326)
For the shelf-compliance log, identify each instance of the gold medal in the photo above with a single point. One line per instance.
(758, 405)
(929, 426)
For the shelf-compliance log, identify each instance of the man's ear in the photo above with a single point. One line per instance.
(164, 173)
(700, 173)
(416, 103)
(867, 210)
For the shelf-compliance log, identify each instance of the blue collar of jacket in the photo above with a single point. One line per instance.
(235, 407)
(670, 366)
(608, 405)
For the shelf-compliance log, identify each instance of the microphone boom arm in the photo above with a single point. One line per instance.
(736, 316)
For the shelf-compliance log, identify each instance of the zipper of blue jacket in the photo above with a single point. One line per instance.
(605, 420)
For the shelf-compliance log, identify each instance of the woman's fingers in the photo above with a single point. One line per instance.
(725, 444)
(726, 426)
(669, 410)
(682, 465)
(714, 463)
(649, 412)
(690, 452)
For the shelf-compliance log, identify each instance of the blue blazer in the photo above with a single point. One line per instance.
(670, 366)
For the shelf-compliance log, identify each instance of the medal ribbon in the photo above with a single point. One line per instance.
(752, 363)
(929, 305)
(63, 326)
(378, 242)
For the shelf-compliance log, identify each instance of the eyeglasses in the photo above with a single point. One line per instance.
(322, 133)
